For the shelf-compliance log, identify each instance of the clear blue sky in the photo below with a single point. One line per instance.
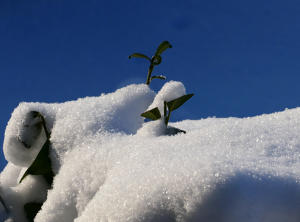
(240, 58)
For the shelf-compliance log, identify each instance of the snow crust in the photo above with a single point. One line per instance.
(111, 167)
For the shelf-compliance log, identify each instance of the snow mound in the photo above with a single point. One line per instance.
(72, 123)
(111, 167)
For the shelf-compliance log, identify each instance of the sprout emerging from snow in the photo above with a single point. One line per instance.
(154, 61)
(154, 114)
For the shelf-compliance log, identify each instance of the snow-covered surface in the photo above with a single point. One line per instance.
(110, 166)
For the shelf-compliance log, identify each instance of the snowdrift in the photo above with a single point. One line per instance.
(111, 166)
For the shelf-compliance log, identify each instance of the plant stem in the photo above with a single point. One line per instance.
(167, 118)
(149, 73)
(165, 108)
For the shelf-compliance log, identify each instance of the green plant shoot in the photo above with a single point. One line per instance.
(154, 114)
(154, 61)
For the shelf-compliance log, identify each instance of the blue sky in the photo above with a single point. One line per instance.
(240, 58)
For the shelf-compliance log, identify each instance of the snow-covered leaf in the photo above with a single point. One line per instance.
(152, 114)
(41, 165)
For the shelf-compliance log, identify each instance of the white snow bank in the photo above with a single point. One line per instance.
(222, 170)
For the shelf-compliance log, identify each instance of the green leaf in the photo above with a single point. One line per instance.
(152, 114)
(176, 103)
(139, 55)
(41, 165)
(162, 47)
(31, 209)
(159, 77)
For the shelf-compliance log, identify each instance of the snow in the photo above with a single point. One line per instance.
(72, 123)
(171, 90)
(110, 166)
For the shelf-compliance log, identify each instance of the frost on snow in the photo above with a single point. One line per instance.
(110, 166)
